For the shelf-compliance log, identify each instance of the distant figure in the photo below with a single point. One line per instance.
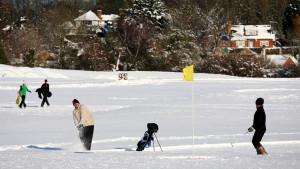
(259, 125)
(22, 92)
(45, 92)
(84, 122)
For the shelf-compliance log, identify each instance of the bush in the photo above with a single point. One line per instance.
(235, 65)
(29, 58)
(3, 58)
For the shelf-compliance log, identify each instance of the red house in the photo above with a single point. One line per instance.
(248, 36)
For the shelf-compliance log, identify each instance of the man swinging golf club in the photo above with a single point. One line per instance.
(84, 122)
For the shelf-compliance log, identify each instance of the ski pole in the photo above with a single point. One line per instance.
(158, 142)
(239, 138)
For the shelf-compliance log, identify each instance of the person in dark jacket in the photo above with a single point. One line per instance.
(45, 92)
(259, 125)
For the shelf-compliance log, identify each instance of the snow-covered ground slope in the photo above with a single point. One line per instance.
(38, 137)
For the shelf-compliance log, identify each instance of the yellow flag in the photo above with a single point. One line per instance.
(188, 73)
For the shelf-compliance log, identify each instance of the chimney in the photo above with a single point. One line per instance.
(229, 29)
(18, 54)
(99, 12)
(80, 12)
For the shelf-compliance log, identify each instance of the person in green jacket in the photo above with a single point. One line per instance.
(23, 90)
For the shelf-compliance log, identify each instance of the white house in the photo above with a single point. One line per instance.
(91, 19)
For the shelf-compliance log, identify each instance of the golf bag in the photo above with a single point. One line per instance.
(39, 91)
(148, 137)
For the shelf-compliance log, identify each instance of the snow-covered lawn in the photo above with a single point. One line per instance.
(46, 137)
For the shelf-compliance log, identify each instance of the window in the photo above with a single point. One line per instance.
(250, 33)
(240, 43)
(88, 22)
(264, 43)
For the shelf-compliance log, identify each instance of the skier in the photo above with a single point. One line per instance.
(45, 92)
(22, 92)
(84, 122)
(259, 125)
(148, 137)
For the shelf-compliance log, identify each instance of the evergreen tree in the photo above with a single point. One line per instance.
(153, 9)
(3, 58)
(29, 58)
(4, 13)
(291, 13)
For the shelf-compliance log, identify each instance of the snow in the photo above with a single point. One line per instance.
(8, 27)
(110, 17)
(46, 137)
(261, 32)
(278, 59)
(89, 16)
(295, 60)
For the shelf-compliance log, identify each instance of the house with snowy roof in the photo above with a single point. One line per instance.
(91, 19)
(283, 60)
(248, 36)
(291, 62)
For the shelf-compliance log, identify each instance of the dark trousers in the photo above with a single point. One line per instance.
(258, 135)
(23, 101)
(44, 100)
(86, 136)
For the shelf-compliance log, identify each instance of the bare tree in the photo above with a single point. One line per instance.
(22, 40)
(94, 57)
(135, 35)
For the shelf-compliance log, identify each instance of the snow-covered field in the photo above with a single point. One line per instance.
(38, 137)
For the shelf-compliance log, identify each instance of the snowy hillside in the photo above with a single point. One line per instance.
(46, 137)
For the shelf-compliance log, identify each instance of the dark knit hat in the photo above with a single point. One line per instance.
(46, 80)
(75, 101)
(259, 101)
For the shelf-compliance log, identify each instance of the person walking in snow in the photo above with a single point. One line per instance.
(84, 122)
(22, 92)
(259, 125)
(45, 92)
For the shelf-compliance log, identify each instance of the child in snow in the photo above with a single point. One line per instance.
(259, 125)
(22, 92)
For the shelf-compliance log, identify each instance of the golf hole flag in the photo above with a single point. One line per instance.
(188, 73)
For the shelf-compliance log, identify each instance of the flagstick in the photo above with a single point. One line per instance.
(193, 107)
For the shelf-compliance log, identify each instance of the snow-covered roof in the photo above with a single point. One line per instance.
(280, 59)
(89, 16)
(109, 17)
(245, 32)
(69, 25)
(7, 28)
(295, 61)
